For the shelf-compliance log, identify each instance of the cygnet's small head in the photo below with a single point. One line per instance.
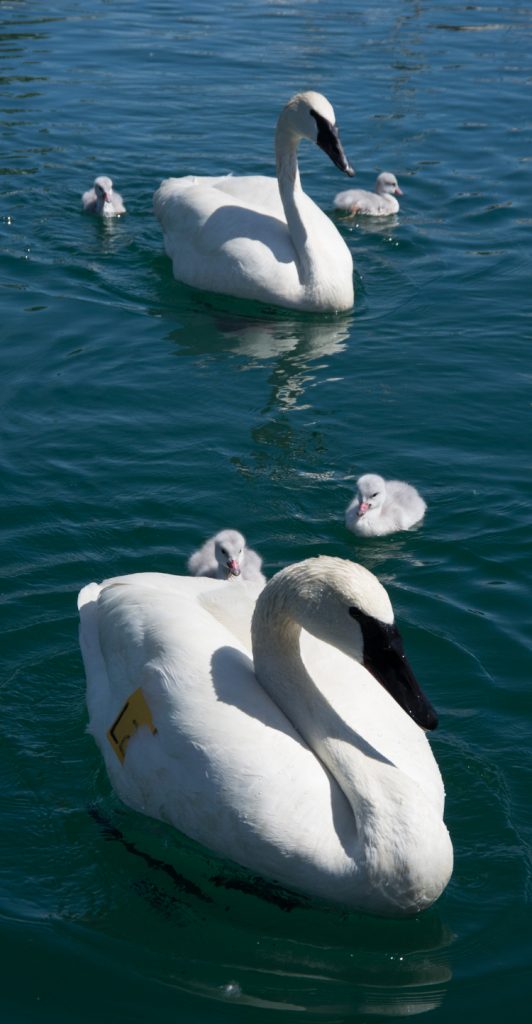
(229, 552)
(387, 184)
(309, 115)
(371, 492)
(103, 186)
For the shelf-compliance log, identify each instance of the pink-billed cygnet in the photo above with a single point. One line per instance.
(225, 556)
(383, 506)
(102, 199)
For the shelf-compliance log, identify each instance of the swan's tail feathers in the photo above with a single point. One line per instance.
(169, 189)
(89, 640)
(93, 661)
(88, 594)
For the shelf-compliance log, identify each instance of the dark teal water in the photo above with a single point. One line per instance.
(139, 417)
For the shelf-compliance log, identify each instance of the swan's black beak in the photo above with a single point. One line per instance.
(384, 657)
(329, 140)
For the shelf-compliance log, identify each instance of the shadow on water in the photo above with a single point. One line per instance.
(206, 942)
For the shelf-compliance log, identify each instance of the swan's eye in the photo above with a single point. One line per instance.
(376, 495)
(224, 552)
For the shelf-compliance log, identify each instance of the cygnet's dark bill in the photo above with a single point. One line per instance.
(384, 657)
(329, 140)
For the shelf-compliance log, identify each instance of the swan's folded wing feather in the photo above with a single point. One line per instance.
(217, 242)
(259, 192)
(233, 605)
(224, 765)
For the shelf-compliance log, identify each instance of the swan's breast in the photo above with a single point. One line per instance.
(366, 712)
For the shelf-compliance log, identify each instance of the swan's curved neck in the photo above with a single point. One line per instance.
(286, 143)
(399, 846)
(280, 668)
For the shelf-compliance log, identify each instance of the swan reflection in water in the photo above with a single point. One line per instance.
(293, 345)
(298, 352)
(310, 339)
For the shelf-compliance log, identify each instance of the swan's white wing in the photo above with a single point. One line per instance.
(232, 604)
(219, 244)
(258, 192)
(224, 766)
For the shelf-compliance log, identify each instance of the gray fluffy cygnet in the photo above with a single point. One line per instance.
(380, 203)
(383, 506)
(225, 556)
(102, 199)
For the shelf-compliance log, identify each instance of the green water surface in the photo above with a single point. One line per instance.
(139, 417)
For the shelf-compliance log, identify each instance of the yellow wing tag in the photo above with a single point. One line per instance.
(134, 714)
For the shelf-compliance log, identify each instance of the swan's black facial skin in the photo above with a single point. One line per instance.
(384, 657)
(329, 140)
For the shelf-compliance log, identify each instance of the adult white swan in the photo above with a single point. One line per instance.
(263, 238)
(306, 762)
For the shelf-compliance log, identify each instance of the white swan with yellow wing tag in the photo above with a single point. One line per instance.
(287, 735)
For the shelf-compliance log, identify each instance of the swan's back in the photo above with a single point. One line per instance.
(213, 239)
(224, 766)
